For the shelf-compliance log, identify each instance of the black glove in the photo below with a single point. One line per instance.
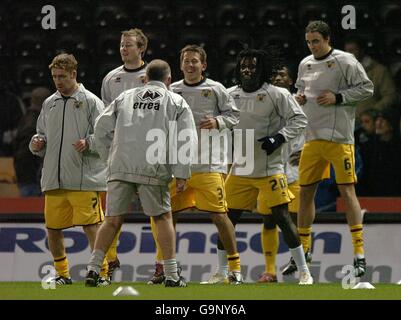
(271, 143)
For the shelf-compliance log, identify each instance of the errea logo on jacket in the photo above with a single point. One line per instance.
(148, 95)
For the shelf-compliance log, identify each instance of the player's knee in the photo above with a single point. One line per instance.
(234, 215)
(268, 222)
(219, 218)
(288, 228)
(347, 192)
(114, 222)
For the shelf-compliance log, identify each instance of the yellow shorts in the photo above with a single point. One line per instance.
(245, 193)
(67, 208)
(205, 191)
(293, 206)
(315, 162)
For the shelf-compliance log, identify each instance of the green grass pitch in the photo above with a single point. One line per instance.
(195, 291)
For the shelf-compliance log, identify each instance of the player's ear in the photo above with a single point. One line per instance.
(168, 82)
(146, 80)
(204, 66)
(73, 74)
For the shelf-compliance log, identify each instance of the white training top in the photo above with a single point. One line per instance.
(342, 74)
(265, 112)
(120, 79)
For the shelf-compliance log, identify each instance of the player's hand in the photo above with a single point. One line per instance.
(327, 98)
(81, 145)
(180, 185)
(38, 143)
(209, 123)
(295, 157)
(270, 144)
(301, 99)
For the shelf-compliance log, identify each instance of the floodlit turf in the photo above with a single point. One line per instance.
(195, 291)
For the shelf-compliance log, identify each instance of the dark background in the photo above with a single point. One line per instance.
(91, 29)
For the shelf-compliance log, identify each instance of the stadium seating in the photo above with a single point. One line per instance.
(231, 42)
(149, 15)
(234, 14)
(194, 15)
(111, 16)
(32, 74)
(228, 72)
(31, 47)
(313, 10)
(275, 14)
(91, 30)
(390, 14)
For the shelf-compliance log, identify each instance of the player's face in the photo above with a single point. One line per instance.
(129, 49)
(192, 66)
(65, 81)
(282, 79)
(317, 45)
(383, 127)
(354, 49)
(250, 74)
(367, 123)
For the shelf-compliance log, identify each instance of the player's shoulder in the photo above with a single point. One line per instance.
(276, 90)
(305, 60)
(177, 85)
(89, 95)
(214, 84)
(234, 89)
(343, 56)
(113, 73)
(50, 100)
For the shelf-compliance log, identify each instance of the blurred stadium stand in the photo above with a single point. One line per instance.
(91, 30)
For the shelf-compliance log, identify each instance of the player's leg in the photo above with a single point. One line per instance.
(274, 194)
(58, 216)
(221, 274)
(306, 216)
(344, 167)
(313, 168)
(111, 256)
(270, 243)
(90, 232)
(210, 196)
(179, 202)
(227, 236)
(156, 203)
(56, 246)
(290, 234)
(158, 274)
(293, 208)
(119, 195)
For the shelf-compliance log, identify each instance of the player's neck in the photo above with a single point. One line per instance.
(134, 64)
(70, 92)
(195, 80)
(325, 53)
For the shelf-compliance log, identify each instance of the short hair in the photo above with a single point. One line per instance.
(141, 39)
(64, 61)
(372, 113)
(319, 26)
(262, 61)
(158, 70)
(194, 48)
(280, 66)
